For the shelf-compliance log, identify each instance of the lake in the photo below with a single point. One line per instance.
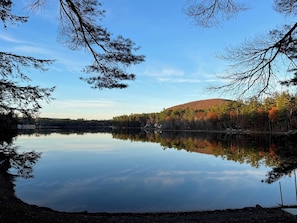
(105, 172)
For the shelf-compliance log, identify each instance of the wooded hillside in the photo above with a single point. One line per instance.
(277, 113)
(201, 104)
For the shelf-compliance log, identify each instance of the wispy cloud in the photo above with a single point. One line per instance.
(164, 72)
(179, 172)
(9, 38)
(212, 77)
(91, 109)
(236, 175)
(65, 58)
(190, 79)
(179, 80)
(170, 74)
(81, 104)
(163, 181)
(31, 49)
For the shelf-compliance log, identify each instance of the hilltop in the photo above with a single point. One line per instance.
(201, 104)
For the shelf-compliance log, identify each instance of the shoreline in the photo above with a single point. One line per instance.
(12, 209)
(17, 211)
(243, 132)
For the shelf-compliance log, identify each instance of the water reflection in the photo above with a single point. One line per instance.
(194, 171)
(13, 164)
(276, 151)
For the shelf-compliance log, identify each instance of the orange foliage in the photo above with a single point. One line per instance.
(273, 151)
(260, 109)
(168, 118)
(200, 115)
(233, 113)
(213, 116)
(272, 114)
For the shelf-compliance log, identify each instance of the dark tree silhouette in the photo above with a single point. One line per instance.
(21, 163)
(283, 169)
(80, 30)
(255, 63)
(13, 164)
(19, 98)
(209, 13)
(110, 56)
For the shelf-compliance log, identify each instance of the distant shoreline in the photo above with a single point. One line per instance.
(151, 130)
(244, 132)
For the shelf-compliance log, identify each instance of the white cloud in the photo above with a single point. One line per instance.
(179, 80)
(179, 172)
(237, 175)
(31, 49)
(170, 74)
(163, 181)
(163, 72)
(73, 61)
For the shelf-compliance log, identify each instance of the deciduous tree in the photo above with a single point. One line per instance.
(254, 64)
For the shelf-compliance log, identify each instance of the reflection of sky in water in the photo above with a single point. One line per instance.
(94, 172)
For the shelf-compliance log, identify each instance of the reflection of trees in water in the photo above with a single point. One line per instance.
(275, 151)
(64, 131)
(286, 167)
(287, 161)
(14, 163)
(20, 163)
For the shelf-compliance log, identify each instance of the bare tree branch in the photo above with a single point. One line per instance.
(207, 13)
(286, 7)
(254, 64)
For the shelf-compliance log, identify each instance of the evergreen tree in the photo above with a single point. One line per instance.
(79, 30)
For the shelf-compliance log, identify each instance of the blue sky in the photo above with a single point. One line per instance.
(179, 66)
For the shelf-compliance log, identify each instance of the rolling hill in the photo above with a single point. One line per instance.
(201, 104)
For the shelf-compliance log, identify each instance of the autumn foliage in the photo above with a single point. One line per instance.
(276, 113)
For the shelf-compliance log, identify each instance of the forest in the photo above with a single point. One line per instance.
(276, 113)
(11, 121)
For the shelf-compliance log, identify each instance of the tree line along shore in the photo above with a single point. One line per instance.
(276, 114)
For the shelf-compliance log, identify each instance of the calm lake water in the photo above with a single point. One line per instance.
(96, 172)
